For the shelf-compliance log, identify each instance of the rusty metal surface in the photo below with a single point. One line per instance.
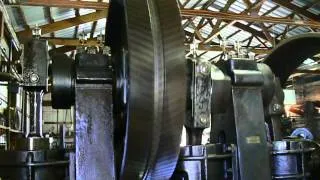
(291, 53)
(94, 132)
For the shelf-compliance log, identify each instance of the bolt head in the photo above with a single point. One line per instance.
(277, 107)
(203, 120)
(34, 78)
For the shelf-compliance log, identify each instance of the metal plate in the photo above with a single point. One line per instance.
(146, 42)
(291, 53)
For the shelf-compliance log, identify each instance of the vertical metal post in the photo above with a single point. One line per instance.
(11, 102)
(33, 107)
(94, 123)
(253, 150)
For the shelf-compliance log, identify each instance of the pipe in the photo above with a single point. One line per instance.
(33, 125)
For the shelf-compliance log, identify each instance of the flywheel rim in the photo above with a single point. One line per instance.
(151, 50)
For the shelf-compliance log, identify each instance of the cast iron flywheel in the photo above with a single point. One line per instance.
(290, 54)
(146, 41)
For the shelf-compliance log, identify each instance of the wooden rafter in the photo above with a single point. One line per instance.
(94, 26)
(251, 23)
(251, 30)
(62, 49)
(59, 25)
(63, 4)
(226, 16)
(248, 18)
(216, 27)
(72, 42)
(204, 47)
(47, 15)
(229, 22)
(76, 30)
(296, 9)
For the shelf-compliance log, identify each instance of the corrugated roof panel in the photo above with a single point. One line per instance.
(225, 32)
(278, 28)
(34, 15)
(213, 8)
(16, 22)
(86, 28)
(315, 10)
(266, 6)
(301, 30)
(86, 11)
(255, 42)
(100, 27)
(211, 54)
(59, 14)
(255, 27)
(208, 26)
(195, 4)
(243, 22)
(300, 3)
(280, 12)
(293, 33)
(65, 33)
(242, 35)
(238, 7)
(218, 4)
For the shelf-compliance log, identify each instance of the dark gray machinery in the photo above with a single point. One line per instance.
(129, 117)
(130, 109)
(246, 105)
(29, 155)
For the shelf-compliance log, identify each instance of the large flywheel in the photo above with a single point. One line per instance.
(147, 50)
(291, 53)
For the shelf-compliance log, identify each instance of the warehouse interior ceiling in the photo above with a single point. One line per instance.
(257, 25)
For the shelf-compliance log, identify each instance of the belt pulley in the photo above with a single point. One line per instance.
(147, 50)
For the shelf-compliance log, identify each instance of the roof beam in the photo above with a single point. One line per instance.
(59, 25)
(251, 30)
(306, 71)
(56, 26)
(63, 4)
(297, 9)
(204, 47)
(47, 15)
(72, 42)
(248, 18)
(62, 49)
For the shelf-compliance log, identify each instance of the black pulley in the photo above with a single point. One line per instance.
(291, 53)
(63, 77)
(147, 50)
